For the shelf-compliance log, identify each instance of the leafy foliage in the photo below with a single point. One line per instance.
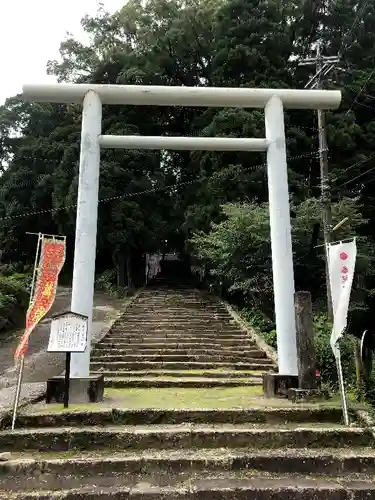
(14, 298)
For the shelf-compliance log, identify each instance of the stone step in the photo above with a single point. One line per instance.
(184, 311)
(158, 337)
(259, 364)
(181, 309)
(185, 327)
(171, 296)
(175, 303)
(282, 461)
(177, 335)
(121, 416)
(224, 487)
(191, 317)
(198, 382)
(163, 314)
(181, 301)
(193, 352)
(177, 357)
(181, 374)
(177, 318)
(165, 339)
(119, 344)
(184, 436)
(192, 320)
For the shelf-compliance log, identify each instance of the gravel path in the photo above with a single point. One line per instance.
(39, 364)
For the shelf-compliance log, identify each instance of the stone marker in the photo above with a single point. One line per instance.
(305, 341)
(305, 385)
(306, 356)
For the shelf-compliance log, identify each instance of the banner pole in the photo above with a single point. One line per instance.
(20, 373)
(18, 391)
(342, 387)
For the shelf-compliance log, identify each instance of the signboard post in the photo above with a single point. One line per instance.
(68, 334)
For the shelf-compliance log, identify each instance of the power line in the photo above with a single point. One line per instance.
(40, 177)
(360, 92)
(139, 193)
(357, 177)
(358, 16)
(360, 162)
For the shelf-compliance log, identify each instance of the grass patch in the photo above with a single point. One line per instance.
(186, 398)
(165, 398)
(216, 397)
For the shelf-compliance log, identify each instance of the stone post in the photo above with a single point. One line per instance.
(305, 341)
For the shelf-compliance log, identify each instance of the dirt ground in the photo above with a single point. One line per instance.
(39, 364)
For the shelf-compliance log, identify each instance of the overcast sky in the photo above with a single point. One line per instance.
(30, 35)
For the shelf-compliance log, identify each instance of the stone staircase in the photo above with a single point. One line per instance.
(178, 338)
(142, 443)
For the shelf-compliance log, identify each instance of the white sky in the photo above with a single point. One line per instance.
(30, 35)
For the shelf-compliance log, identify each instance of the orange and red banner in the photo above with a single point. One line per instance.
(52, 258)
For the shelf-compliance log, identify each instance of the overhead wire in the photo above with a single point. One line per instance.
(361, 90)
(357, 177)
(139, 193)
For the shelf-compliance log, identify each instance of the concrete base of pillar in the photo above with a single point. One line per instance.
(305, 395)
(82, 389)
(276, 385)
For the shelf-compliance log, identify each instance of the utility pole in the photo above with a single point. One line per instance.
(323, 65)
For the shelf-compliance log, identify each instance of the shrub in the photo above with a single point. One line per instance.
(106, 282)
(14, 299)
(325, 359)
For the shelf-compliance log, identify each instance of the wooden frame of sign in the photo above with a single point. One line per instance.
(68, 334)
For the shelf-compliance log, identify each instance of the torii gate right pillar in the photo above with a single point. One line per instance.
(281, 239)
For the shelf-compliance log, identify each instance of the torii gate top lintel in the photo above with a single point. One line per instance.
(182, 96)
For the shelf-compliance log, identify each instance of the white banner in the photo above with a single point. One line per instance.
(341, 263)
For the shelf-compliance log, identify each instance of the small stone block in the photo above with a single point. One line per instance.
(304, 395)
(276, 385)
(82, 389)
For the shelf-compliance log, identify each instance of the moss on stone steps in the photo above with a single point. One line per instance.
(210, 487)
(177, 365)
(215, 373)
(171, 382)
(184, 436)
(284, 461)
(38, 417)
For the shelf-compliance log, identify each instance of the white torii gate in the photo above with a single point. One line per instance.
(272, 100)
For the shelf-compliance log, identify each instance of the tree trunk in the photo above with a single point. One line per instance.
(129, 270)
(121, 269)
